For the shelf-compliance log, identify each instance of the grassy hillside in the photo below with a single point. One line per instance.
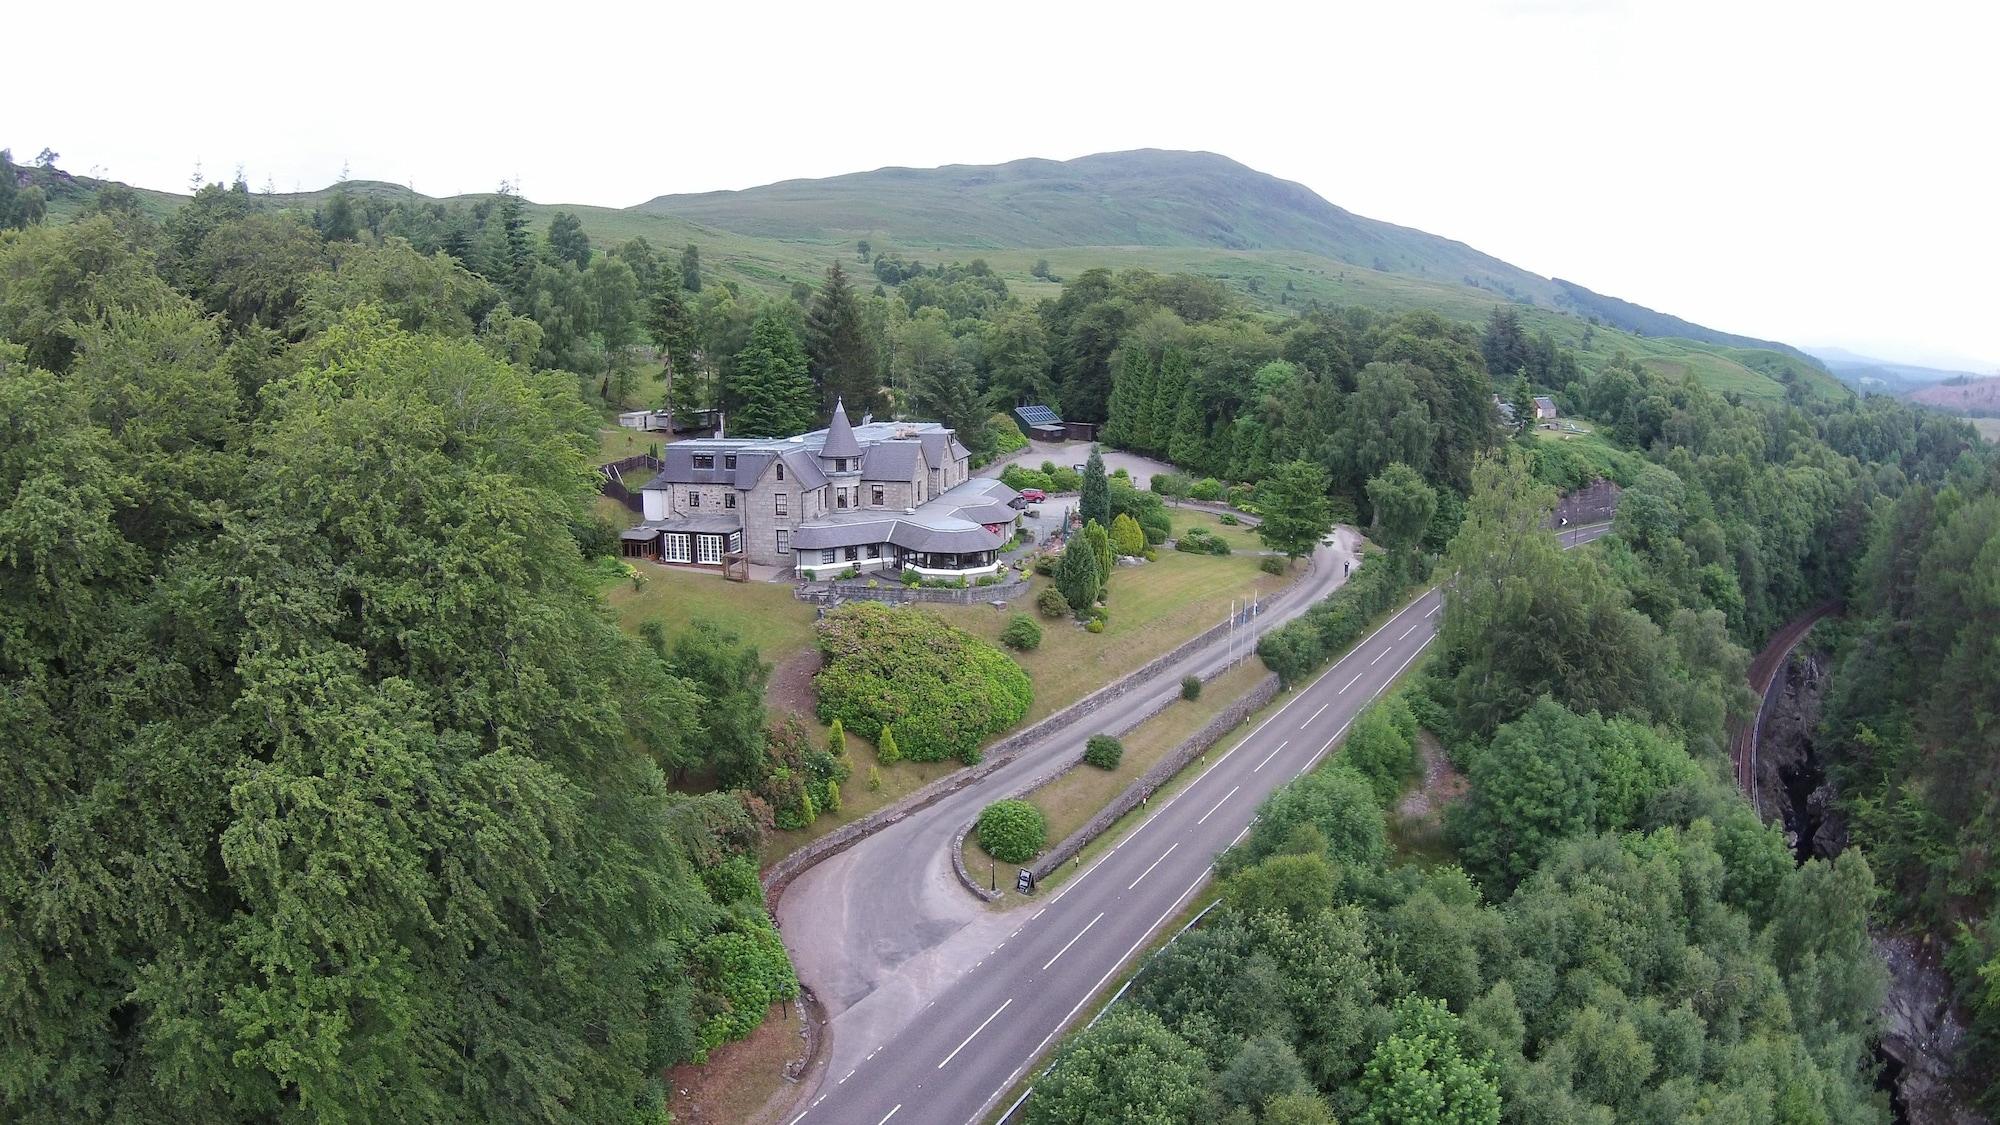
(1275, 243)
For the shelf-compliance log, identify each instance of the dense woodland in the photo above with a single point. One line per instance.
(334, 793)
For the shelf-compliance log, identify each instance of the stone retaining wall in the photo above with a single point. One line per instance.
(1149, 782)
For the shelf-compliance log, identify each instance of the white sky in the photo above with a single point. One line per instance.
(1816, 172)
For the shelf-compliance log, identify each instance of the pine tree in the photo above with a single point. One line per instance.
(844, 366)
(1168, 387)
(886, 751)
(1095, 504)
(1131, 391)
(1188, 446)
(691, 268)
(948, 392)
(672, 325)
(773, 390)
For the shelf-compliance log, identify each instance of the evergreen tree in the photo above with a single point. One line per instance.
(672, 326)
(1077, 576)
(1188, 446)
(1169, 386)
(338, 223)
(567, 242)
(945, 392)
(1095, 504)
(844, 366)
(773, 392)
(1403, 506)
(1131, 391)
(691, 268)
(1100, 549)
(1295, 508)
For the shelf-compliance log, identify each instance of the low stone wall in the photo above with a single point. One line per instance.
(958, 866)
(1149, 782)
(1593, 503)
(895, 593)
(780, 874)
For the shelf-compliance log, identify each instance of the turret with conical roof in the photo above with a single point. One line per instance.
(839, 435)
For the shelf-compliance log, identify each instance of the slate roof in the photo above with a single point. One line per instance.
(951, 522)
(839, 435)
(893, 460)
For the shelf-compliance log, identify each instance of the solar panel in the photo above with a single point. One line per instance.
(1037, 416)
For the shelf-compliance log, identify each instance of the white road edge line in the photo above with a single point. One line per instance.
(968, 1039)
(1156, 863)
(1116, 965)
(1218, 804)
(1072, 941)
(1268, 757)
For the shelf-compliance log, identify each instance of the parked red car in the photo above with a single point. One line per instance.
(1034, 495)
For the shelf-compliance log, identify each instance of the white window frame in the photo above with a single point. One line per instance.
(784, 538)
(779, 504)
(708, 549)
(676, 547)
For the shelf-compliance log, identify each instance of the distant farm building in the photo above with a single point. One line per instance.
(1545, 408)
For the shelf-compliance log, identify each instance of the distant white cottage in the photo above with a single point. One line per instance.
(878, 496)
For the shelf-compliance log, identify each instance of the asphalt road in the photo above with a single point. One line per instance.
(983, 1022)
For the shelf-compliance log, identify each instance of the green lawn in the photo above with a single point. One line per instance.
(1153, 608)
(616, 443)
(1238, 536)
(763, 613)
(1076, 796)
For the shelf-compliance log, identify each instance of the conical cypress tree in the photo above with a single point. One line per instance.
(774, 392)
(1131, 392)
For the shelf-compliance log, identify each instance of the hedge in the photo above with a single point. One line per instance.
(1297, 648)
(1012, 831)
(944, 689)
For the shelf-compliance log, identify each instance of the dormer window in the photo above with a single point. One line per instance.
(704, 460)
(729, 460)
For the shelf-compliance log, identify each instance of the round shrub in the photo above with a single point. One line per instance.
(1103, 751)
(944, 689)
(1012, 831)
(1094, 625)
(1272, 564)
(1207, 488)
(1190, 688)
(1021, 633)
(1052, 604)
(1230, 519)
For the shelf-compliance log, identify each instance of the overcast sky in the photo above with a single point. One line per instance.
(1817, 172)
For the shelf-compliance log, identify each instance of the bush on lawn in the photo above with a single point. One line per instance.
(1190, 688)
(1020, 479)
(1012, 831)
(1207, 488)
(1127, 537)
(1230, 519)
(1272, 564)
(1103, 751)
(1094, 625)
(944, 689)
(1051, 603)
(1021, 633)
(886, 750)
(1201, 541)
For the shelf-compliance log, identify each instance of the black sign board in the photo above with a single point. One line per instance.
(1025, 882)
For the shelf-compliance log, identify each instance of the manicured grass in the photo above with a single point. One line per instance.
(1240, 537)
(762, 613)
(1076, 796)
(1154, 607)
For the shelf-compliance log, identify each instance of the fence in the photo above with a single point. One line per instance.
(613, 483)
